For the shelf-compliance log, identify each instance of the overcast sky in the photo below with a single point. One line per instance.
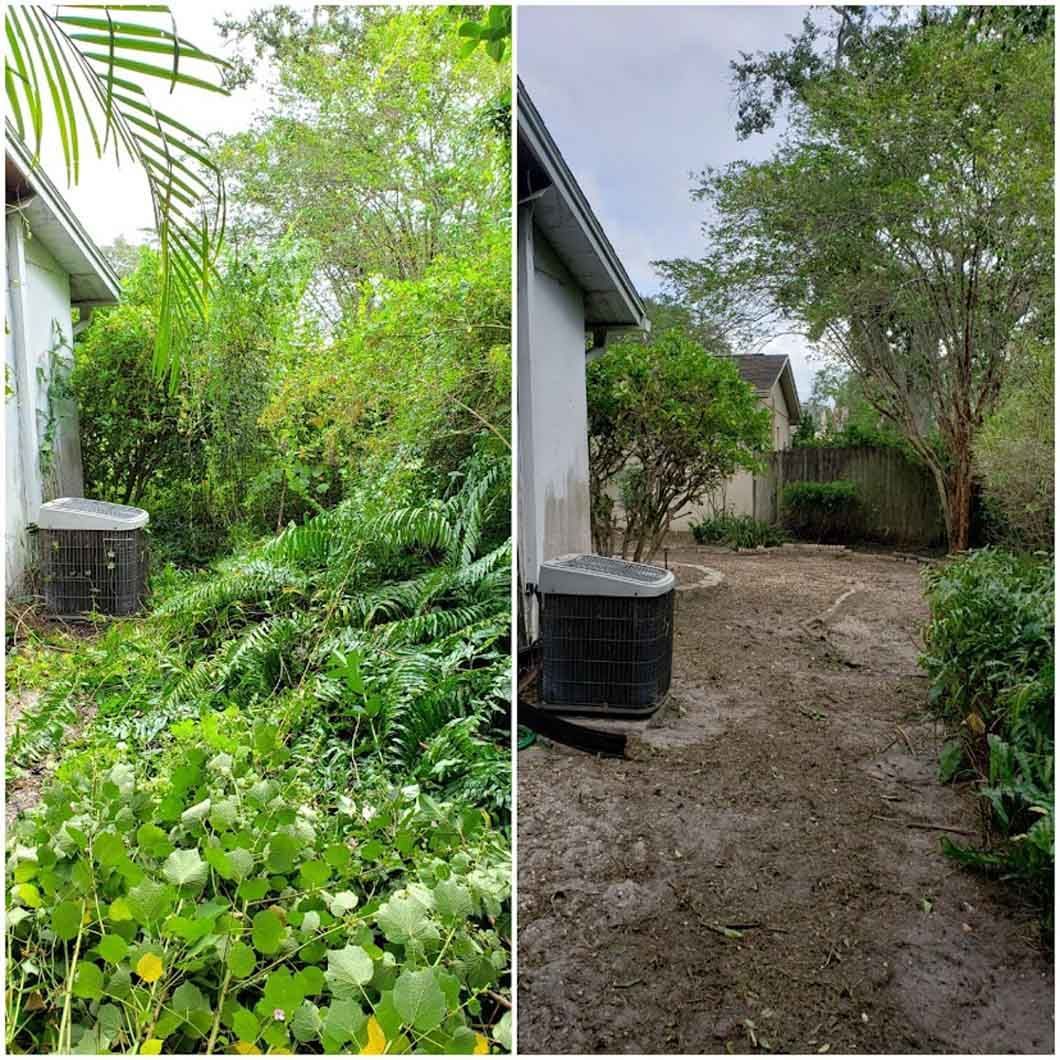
(639, 97)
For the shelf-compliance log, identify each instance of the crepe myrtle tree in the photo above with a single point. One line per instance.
(668, 423)
(905, 225)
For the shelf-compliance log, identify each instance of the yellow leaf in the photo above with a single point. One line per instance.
(246, 1048)
(119, 910)
(482, 1045)
(149, 967)
(29, 894)
(975, 723)
(376, 1044)
(152, 1047)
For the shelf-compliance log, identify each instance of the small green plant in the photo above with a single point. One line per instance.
(214, 903)
(822, 510)
(737, 531)
(989, 651)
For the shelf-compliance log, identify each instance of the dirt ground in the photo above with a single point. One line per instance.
(750, 878)
(22, 790)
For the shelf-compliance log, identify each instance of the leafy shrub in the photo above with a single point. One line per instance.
(989, 651)
(991, 629)
(670, 423)
(822, 510)
(1014, 454)
(133, 431)
(737, 531)
(254, 329)
(214, 902)
(422, 372)
(364, 653)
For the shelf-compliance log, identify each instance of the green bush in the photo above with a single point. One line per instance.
(677, 414)
(1014, 454)
(133, 431)
(822, 510)
(284, 825)
(737, 531)
(989, 651)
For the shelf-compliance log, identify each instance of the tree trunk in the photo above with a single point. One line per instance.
(959, 501)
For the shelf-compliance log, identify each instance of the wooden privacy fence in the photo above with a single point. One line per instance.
(899, 502)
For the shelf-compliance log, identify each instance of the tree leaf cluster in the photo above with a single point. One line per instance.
(668, 423)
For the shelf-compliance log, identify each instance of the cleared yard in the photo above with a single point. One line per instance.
(764, 870)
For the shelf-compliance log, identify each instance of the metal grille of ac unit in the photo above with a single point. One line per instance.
(92, 557)
(607, 642)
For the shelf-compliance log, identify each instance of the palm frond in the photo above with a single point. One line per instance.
(256, 581)
(426, 527)
(258, 655)
(434, 625)
(66, 70)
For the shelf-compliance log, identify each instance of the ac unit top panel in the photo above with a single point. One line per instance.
(588, 575)
(80, 513)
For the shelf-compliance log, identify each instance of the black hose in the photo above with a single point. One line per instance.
(580, 737)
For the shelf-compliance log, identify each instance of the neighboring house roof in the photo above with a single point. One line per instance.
(762, 370)
(563, 214)
(51, 220)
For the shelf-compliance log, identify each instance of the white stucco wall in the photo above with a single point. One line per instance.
(38, 323)
(553, 457)
(738, 494)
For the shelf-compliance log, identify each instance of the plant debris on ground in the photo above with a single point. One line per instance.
(778, 799)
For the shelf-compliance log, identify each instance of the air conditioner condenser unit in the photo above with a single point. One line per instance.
(606, 635)
(93, 556)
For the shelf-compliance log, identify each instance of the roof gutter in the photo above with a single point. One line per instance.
(50, 197)
(534, 131)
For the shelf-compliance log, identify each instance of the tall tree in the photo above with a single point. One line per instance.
(379, 144)
(906, 223)
(80, 70)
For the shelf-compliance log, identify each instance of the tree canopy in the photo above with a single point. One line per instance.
(668, 423)
(905, 224)
(380, 145)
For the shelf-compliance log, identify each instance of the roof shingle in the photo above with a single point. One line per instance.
(761, 370)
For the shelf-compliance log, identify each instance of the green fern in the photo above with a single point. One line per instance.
(415, 602)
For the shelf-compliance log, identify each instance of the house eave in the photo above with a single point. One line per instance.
(791, 393)
(51, 220)
(564, 216)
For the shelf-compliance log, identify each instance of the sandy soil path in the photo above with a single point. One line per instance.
(750, 880)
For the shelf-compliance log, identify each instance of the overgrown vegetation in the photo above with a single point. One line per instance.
(990, 654)
(824, 511)
(275, 809)
(737, 531)
(204, 815)
(1014, 454)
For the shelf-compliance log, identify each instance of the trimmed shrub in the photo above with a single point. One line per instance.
(822, 510)
(737, 531)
